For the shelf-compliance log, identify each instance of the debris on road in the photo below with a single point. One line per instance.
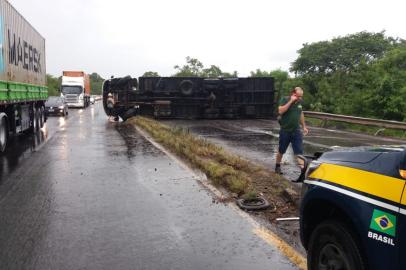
(254, 204)
(288, 219)
(290, 195)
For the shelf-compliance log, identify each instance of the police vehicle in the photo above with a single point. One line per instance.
(353, 209)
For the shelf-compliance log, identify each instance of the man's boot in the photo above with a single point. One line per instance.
(278, 169)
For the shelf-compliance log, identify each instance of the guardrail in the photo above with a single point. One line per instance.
(357, 120)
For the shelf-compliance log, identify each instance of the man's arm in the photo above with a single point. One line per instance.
(302, 122)
(282, 109)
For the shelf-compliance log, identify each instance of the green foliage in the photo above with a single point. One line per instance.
(150, 74)
(195, 68)
(96, 83)
(260, 73)
(362, 74)
(53, 84)
(342, 53)
(280, 77)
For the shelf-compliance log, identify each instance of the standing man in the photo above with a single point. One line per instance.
(291, 118)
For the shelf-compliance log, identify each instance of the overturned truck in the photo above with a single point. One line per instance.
(190, 97)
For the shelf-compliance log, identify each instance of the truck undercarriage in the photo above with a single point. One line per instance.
(190, 97)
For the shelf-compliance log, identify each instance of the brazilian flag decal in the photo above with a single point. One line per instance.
(383, 222)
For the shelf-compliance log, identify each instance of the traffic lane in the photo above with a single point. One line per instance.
(92, 199)
(22, 146)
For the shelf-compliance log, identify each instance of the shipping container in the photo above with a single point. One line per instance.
(23, 58)
(23, 88)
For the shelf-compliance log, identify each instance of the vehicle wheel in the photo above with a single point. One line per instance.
(253, 204)
(3, 133)
(129, 113)
(35, 121)
(186, 87)
(333, 246)
(41, 117)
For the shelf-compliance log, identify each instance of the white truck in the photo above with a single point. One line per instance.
(23, 87)
(75, 88)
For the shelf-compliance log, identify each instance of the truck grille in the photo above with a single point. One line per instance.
(72, 98)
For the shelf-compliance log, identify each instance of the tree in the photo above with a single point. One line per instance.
(53, 84)
(212, 72)
(193, 68)
(96, 83)
(342, 53)
(150, 74)
(260, 73)
(359, 74)
(280, 77)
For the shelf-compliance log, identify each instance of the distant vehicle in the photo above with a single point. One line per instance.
(353, 209)
(92, 100)
(23, 88)
(75, 88)
(56, 106)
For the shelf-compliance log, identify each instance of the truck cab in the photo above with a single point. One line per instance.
(75, 89)
(353, 209)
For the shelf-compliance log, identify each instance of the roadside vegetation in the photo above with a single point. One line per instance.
(223, 169)
(361, 74)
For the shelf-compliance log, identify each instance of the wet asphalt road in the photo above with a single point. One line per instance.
(258, 140)
(87, 193)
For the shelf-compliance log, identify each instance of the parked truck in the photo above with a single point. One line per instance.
(75, 88)
(23, 89)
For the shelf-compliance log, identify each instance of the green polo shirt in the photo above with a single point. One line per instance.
(290, 120)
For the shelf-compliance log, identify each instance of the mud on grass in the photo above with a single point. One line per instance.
(228, 171)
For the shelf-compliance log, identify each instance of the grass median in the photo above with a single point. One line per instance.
(222, 168)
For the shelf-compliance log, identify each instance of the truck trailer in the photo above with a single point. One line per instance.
(75, 88)
(190, 97)
(23, 89)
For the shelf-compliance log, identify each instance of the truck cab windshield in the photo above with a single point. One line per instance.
(77, 90)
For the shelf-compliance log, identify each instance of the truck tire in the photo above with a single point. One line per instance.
(128, 114)
(41, 117)
(333, 245)
(3, 132)
(35, 121)
(186, 87)
(253, 204)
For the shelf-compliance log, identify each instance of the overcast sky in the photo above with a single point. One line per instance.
(124, 37)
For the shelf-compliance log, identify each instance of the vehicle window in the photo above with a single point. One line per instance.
(71, 90)
(54, 101)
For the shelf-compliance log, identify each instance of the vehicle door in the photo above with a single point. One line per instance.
(402, 219)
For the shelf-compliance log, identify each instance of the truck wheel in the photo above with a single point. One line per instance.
(333, 246)
(35, 121)
(3, 133)
(186, 87)
(41, 117)
(127, 114)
